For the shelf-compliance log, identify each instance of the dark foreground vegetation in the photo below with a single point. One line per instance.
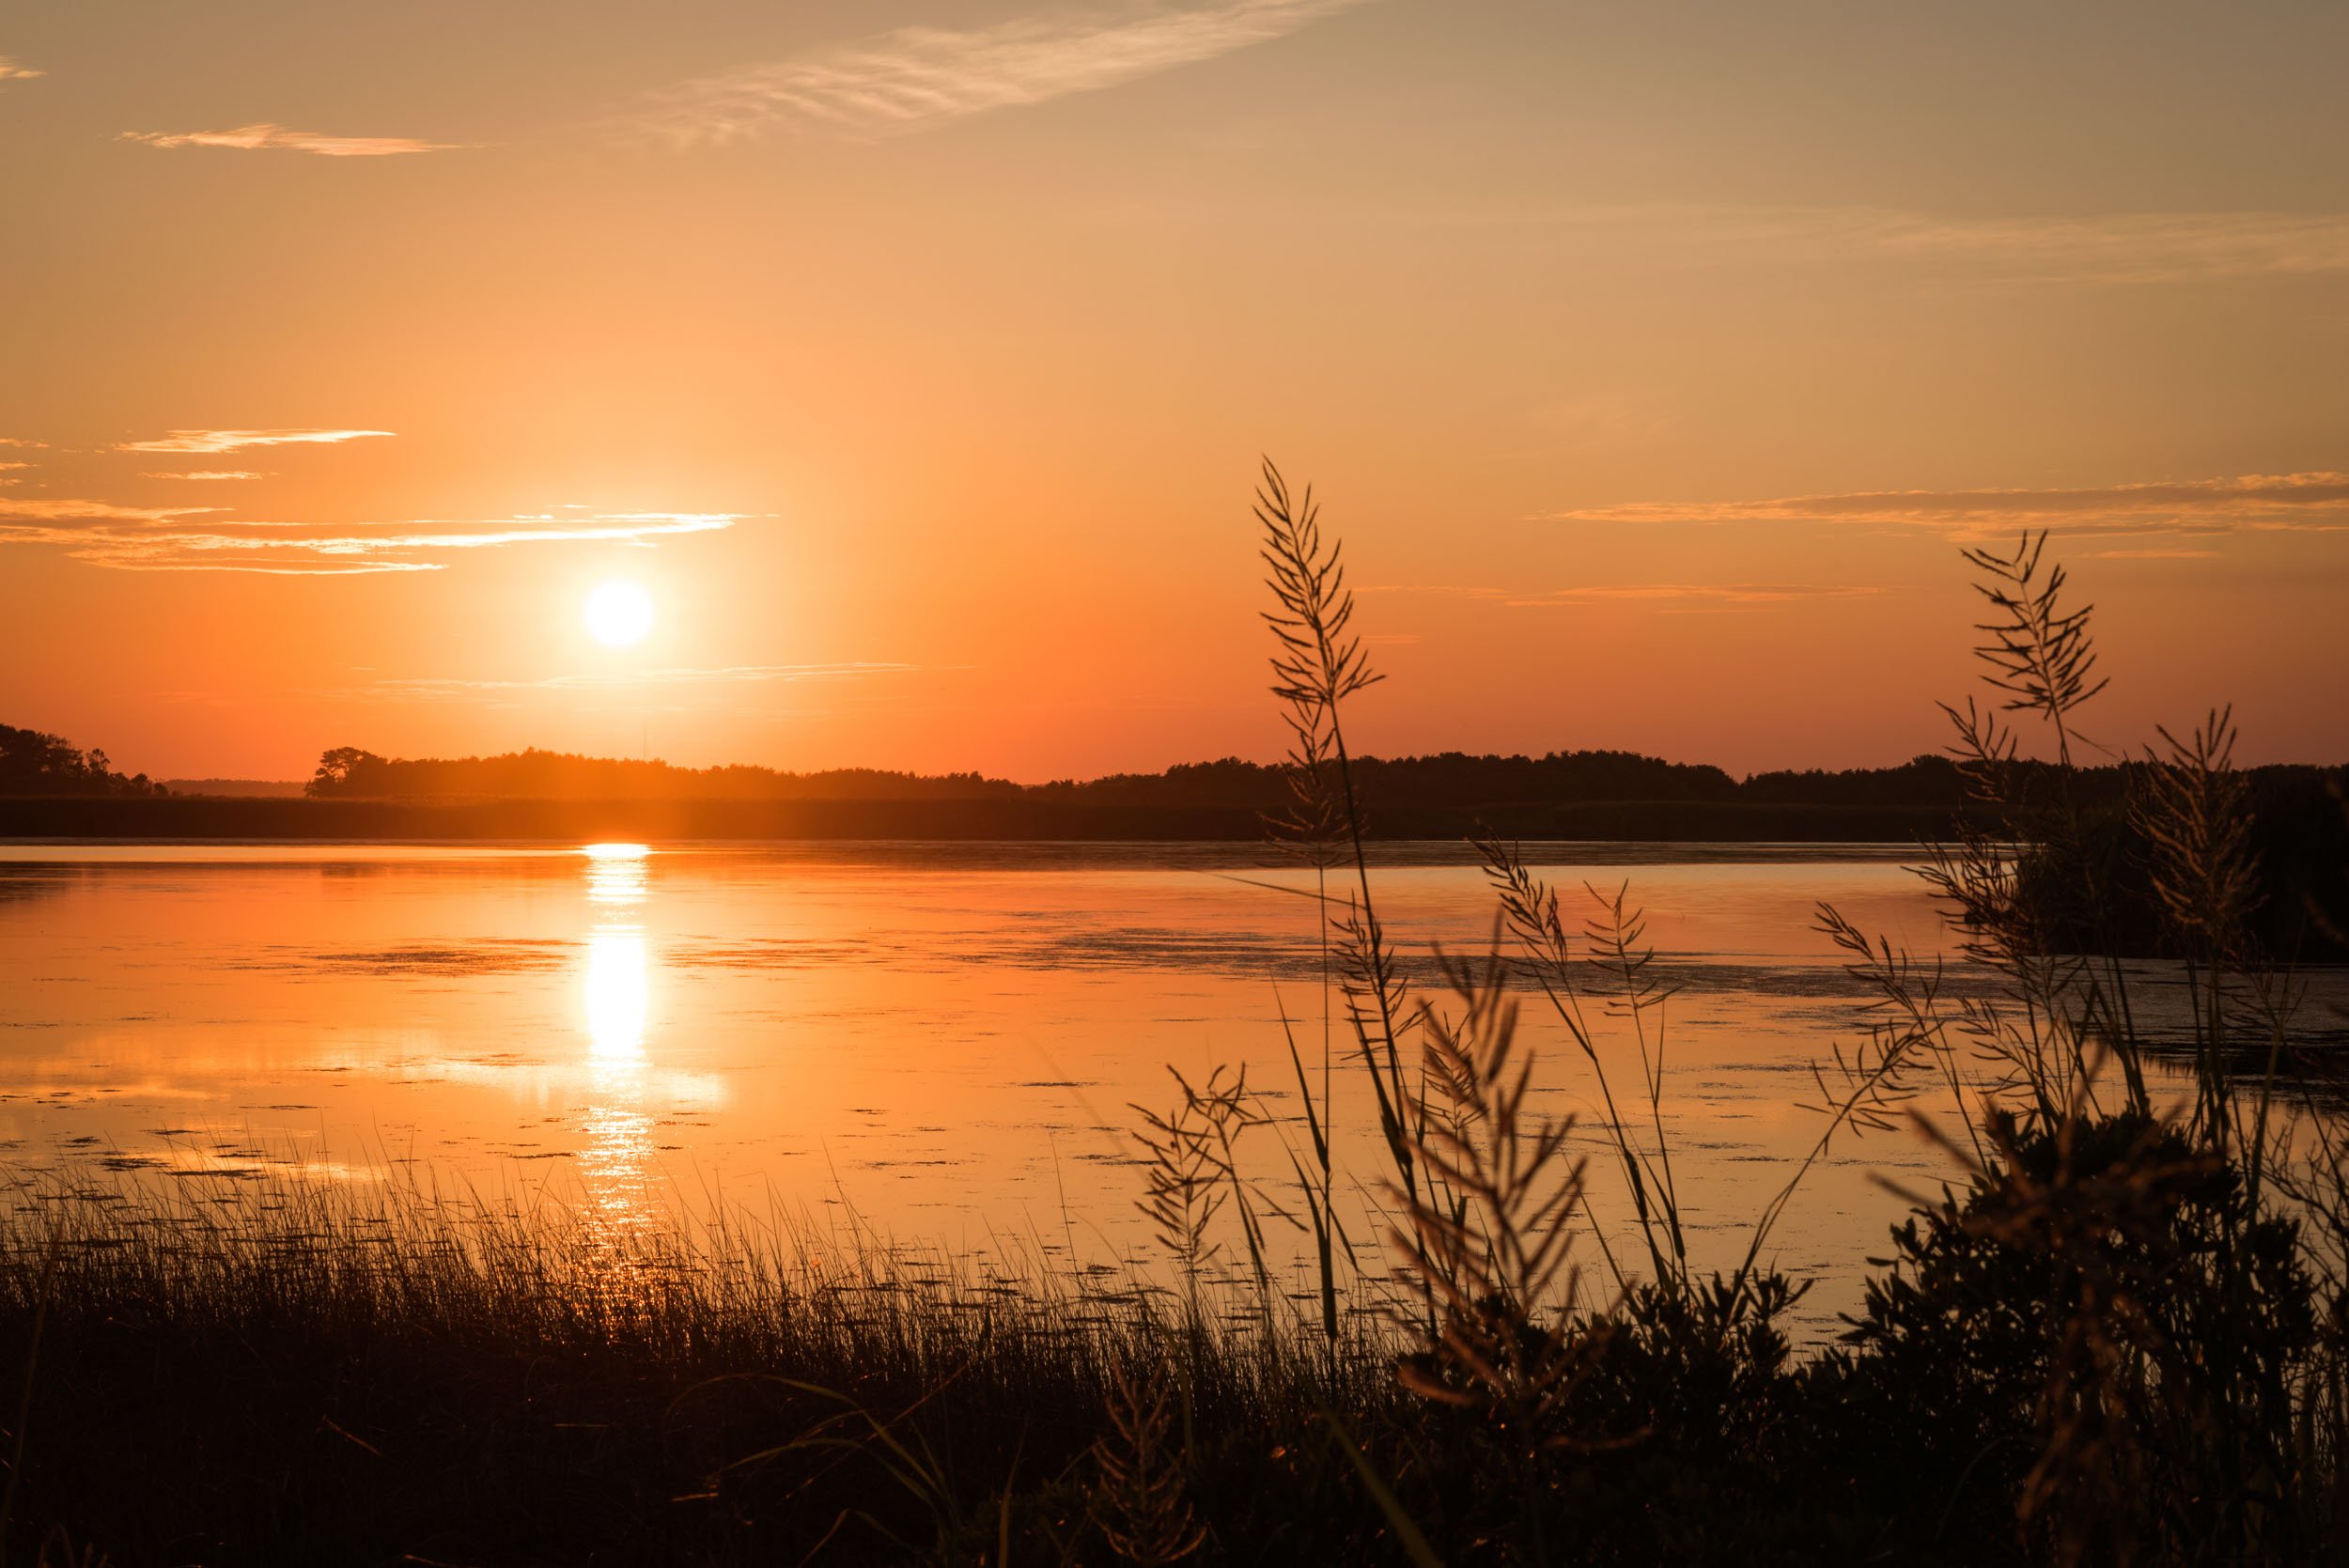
(273, 1386)
(2120, 1335)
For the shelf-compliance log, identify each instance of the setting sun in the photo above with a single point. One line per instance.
(618, 614)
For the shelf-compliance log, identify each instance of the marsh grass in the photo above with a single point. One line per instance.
(2119, 1333)
(333, 1374)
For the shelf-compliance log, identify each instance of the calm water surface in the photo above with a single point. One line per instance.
(941, 1041)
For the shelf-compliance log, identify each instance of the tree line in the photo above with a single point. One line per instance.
(1452, 781)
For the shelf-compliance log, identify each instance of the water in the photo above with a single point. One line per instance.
(937, 1044)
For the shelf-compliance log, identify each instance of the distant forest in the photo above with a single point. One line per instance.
(1449, 780)
(1446, 781)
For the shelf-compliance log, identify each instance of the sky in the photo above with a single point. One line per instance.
(1655, 362)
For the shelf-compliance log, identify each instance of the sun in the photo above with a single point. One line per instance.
(618, 614)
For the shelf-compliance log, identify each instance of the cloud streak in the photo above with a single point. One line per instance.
(11, 70)
(265, 137)
(94, 511)
(212, 443)
(441, 689)
(129, 538)
(2106, 248)
(2128, 248)
(920, 76)
(1691, 595)
(204, 473)
(2317, 500)
(2118, 249)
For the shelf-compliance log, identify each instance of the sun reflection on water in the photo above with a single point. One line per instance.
(616, 1168)
(618, 991)
(617, 874)
(616, 1164)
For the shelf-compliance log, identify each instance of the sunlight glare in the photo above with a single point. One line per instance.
(616, 874)
(616, 995)
(618, 614)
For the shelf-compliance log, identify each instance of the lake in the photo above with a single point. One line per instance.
(936, 1044)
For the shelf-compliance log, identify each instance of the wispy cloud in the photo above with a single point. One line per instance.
(265, 137)
(1718, 592)
(108, 535)
(2119, 249)
(95, 511)
(2311, 499)
(918, 76)
(211, 443)
(204, 473)
(439, 690)
(16, 440)
(1682, 594)
(2123, 248)
(12, 71)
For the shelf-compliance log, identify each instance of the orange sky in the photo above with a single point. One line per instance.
(1654, 361)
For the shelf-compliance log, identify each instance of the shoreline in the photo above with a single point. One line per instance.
(210, 818)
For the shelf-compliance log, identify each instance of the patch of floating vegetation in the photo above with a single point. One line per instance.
(487, 955)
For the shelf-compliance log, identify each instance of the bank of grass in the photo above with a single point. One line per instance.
(281, 1373)
(2119, 1337)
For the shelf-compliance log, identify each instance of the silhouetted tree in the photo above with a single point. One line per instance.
(342, 771)
(35, 763)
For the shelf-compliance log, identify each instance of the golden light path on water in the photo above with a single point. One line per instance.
(617, 991)
(617, 1164)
